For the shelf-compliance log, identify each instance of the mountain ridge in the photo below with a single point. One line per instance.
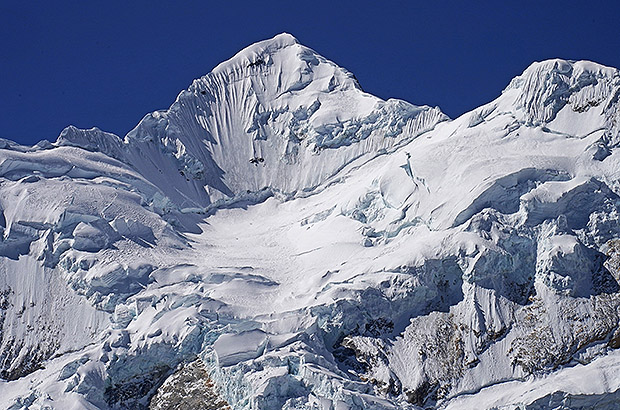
(308, 245)
(272, 110)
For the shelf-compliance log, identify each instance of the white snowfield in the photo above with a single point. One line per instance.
(316, 247)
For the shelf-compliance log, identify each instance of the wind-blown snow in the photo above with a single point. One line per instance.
(309, 245)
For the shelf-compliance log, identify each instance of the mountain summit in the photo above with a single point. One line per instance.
(271, 117)
(278, 238)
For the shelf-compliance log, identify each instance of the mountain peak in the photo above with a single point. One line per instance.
(257, 51)
(546, 87)
(283, 58)
(400, 264)
(265, 119)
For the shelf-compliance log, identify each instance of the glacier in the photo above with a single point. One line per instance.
(279, 238)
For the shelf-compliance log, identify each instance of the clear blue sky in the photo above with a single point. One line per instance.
(106, 64)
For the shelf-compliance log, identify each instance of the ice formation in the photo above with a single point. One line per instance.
(278, 238)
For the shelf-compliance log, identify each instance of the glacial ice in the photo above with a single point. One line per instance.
(234, 348)
(308, 245)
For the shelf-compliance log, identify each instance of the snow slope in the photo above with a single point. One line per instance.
(258, 122)
(308, 245)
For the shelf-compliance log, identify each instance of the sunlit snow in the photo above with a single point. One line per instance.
(316, 247)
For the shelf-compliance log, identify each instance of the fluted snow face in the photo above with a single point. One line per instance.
(553, 91)
(277, 115)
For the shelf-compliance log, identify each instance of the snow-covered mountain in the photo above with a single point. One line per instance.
(279, 238)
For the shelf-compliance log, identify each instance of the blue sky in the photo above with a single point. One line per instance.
(106, 64)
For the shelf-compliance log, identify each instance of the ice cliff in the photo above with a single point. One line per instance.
(278, 238)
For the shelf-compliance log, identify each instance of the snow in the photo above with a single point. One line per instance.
(309, 245)
(234, 348)
(594, 378)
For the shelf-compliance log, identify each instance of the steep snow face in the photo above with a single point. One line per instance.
(570, 98)
(546, 88)
(307, 245)
(276, 116)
